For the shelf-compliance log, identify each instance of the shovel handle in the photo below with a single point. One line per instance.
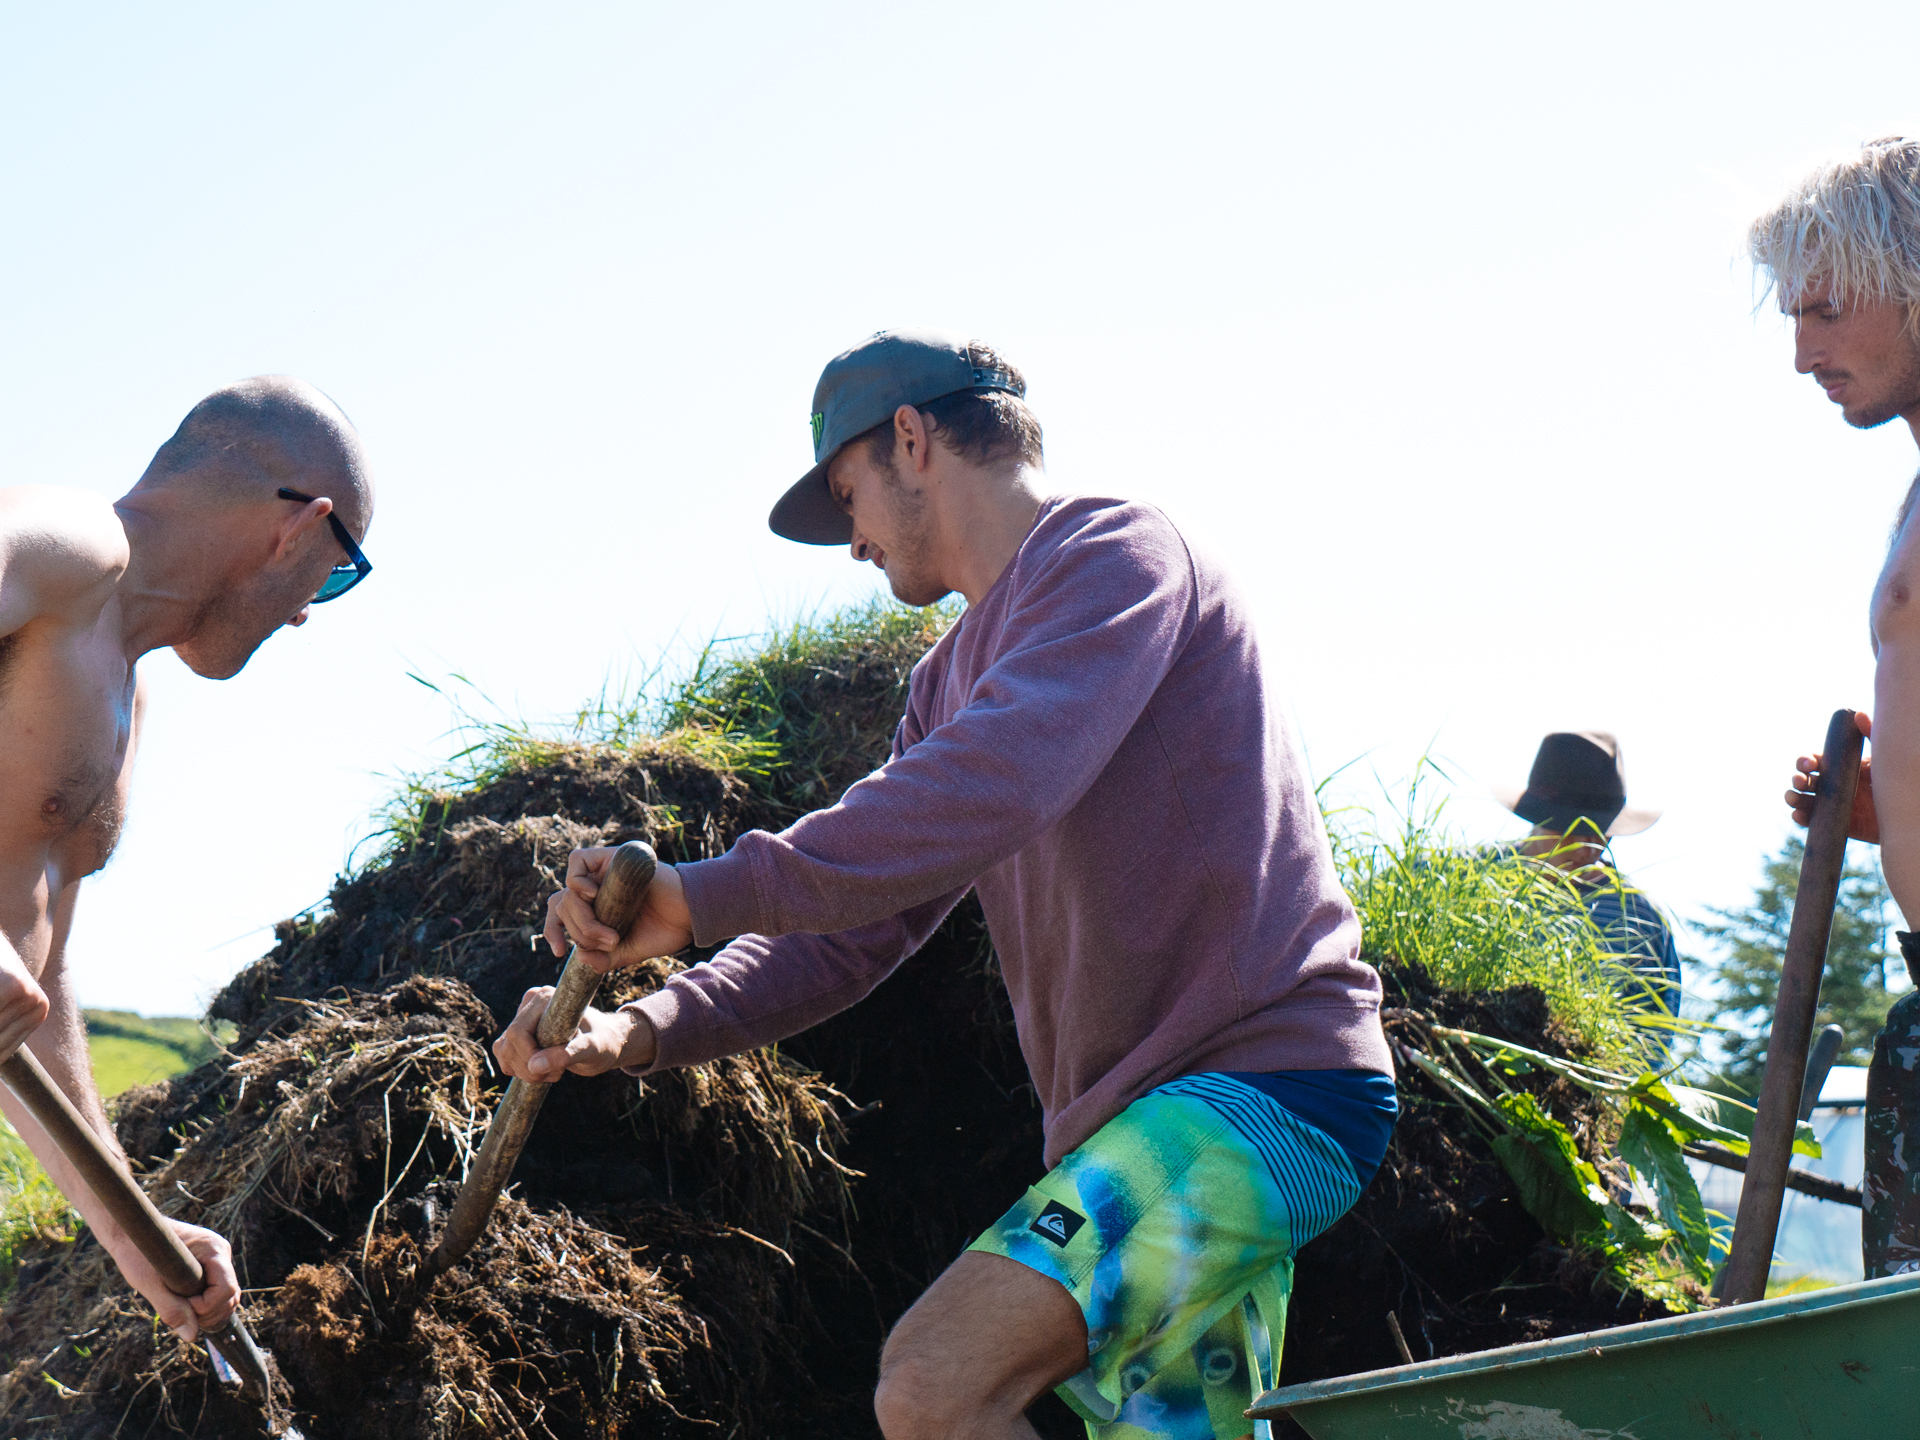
(1822, 866)
(617, 905)
(102, 1172)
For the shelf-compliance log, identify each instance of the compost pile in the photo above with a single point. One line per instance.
(721, 1251)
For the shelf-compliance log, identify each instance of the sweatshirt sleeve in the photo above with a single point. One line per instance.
(759, 989)
(1094, 623)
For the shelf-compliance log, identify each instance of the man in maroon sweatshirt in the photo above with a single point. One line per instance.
(1094, 751)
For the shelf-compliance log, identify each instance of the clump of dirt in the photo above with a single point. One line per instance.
(719, 1252)
(329, 1150)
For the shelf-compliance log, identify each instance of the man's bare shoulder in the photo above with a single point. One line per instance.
(60, 553)
(81, 526)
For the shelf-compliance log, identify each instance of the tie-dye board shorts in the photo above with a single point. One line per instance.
(1174, 1227)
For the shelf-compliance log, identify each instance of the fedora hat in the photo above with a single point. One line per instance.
(1577, 775)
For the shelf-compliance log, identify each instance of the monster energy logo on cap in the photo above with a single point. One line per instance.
(859, 390)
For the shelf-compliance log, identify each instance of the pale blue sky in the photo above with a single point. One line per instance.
(1432, 321)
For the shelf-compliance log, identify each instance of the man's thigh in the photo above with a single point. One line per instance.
(989, 1336)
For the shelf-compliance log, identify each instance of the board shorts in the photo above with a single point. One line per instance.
(1174, 1227)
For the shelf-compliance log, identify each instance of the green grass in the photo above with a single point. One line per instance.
(130, 1050)
(32, 1209)
(120, 1063)
(1476, 919)
(1799, 1285)
(800, 712)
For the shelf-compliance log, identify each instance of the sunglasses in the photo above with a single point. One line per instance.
(341, 578)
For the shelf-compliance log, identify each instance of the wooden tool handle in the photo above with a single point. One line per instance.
(1750, 1255)
(617, 905)
(151, 1232)
(100, 1169)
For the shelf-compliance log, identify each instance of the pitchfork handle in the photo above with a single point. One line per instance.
(617, 906)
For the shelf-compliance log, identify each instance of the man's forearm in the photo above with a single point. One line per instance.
(60, 1045)
(61, 1171)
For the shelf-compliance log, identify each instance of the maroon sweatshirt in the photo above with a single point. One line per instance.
(1093, 750)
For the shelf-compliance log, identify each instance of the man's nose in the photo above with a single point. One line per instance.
(301, 618)
(1806, 354)
(862, 547)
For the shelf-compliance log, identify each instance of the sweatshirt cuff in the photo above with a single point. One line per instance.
(722, 897)
(662, 1010)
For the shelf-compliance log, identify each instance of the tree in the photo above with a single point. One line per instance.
(1854, 993)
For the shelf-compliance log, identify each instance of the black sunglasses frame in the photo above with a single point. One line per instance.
(358, 563)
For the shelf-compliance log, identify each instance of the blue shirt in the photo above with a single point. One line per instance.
(1637, 932)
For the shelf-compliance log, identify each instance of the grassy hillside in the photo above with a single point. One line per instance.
(131, 1049)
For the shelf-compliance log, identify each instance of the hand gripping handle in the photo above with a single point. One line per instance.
(617, 905)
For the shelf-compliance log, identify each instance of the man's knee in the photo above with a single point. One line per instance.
(907, 1402)
(987, 1338)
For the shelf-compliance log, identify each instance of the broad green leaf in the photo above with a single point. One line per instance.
(1547, 1189)
(1627, 1231)
(1703, 1115)
(1649, 1143)
(1559, 1188)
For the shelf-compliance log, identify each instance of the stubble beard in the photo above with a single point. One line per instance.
(909, 566)
(1900, 396)
(231, 628)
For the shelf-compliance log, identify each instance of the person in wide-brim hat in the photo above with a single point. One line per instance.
(1577, 776)
(1576, 796)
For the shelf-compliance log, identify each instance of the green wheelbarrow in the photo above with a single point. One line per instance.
(1838, 1364)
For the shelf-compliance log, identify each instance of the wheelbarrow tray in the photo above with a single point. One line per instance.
(1827, 1363)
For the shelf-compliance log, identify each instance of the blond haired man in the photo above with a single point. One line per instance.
(1842, 253)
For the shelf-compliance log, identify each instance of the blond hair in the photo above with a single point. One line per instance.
(1853, 226)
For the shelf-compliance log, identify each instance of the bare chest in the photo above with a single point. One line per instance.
(66, 733)
(1896, 595)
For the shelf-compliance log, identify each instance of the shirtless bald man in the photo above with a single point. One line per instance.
(249, 514)
(1843, 254)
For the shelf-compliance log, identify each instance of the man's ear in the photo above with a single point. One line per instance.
(298, 523)
(910, 428)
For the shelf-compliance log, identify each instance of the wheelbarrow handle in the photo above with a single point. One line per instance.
(617, 905)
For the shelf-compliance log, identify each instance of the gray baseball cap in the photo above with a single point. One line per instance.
(857, 391)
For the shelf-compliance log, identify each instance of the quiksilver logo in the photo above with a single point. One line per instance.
(1057, 1223)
